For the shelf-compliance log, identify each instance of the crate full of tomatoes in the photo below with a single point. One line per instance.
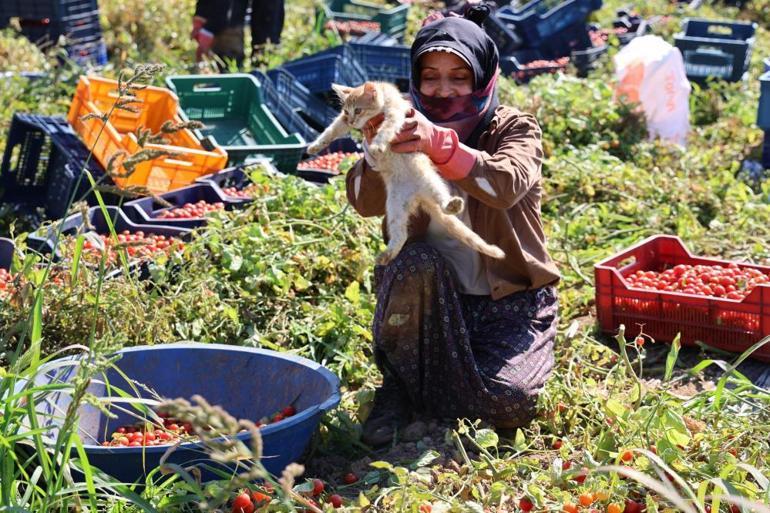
(660, 286)
(321, 168)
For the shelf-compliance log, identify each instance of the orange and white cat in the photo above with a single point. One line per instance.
(411, 179)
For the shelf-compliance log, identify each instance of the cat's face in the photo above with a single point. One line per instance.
(359, 104)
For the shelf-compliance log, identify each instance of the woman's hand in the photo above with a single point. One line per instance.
(419, 134)
(371, 127)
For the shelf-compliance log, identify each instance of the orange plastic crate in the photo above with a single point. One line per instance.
(95, 95)
(726, 324)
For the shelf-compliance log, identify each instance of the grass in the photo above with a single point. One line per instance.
(293, 272)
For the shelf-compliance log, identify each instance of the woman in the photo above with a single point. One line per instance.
(458, 334)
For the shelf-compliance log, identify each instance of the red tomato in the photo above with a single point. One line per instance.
(318, 487)
(336, 501)
(242, 504)
(525, 505)
(350, 478)
(632, 507)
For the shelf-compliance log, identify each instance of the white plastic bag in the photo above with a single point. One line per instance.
(651, 72)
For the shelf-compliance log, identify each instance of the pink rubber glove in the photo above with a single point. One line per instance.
(205, 42)
(198, 23)
(453, 159)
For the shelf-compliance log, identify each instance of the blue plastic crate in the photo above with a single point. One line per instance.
(7, 249)
(283, 110)
(37, 9)
(766, 65)
(43, 240)
(322, 176)
(562, 44)
(766, 150)
(719, 49)
(76, 20)
(318, 72)
(43, 162)
(230, 177)
(312, 109)
(537, 28)
(385, 63)
(264, 382)
(146, 210)
(88, 52)
(503, 33)
(763, 112)
(237, 176)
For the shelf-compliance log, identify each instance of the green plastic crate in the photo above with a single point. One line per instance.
(233, 111)
(392, 19)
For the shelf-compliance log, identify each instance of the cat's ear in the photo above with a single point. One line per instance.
(370, 89)
(342, 90)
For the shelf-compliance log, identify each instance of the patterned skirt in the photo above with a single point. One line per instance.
(459, 355)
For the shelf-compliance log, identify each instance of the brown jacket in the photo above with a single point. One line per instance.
(504, 190)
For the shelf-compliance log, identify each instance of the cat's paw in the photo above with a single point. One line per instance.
(384, 258)
(454, 206)
(314, 148)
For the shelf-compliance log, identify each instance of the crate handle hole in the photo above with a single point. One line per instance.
(626, 262)
(175, 162)
(206, 88)
(721, 30)
(15, 158)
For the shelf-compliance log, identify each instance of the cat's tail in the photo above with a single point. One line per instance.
(461, 232)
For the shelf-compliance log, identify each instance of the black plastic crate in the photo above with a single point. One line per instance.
(146, 210)
(718, 49)
(43, 165)
(585, 60)
(518, 66)
(503, 32)
(634, 24)
(44, 239)
(7, 249)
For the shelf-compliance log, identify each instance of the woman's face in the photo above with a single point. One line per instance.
(444, 75)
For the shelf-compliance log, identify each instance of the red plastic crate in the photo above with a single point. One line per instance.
(725, 324)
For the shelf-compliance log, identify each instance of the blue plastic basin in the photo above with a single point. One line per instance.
(248, 383)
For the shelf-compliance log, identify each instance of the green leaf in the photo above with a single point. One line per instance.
(300, 283)
(236, 261)
(673, 354)
(426, 459)
(487, 438)
(615, 408)
(384, 465)
(520, 440)
(675, 428)
(353, 292)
